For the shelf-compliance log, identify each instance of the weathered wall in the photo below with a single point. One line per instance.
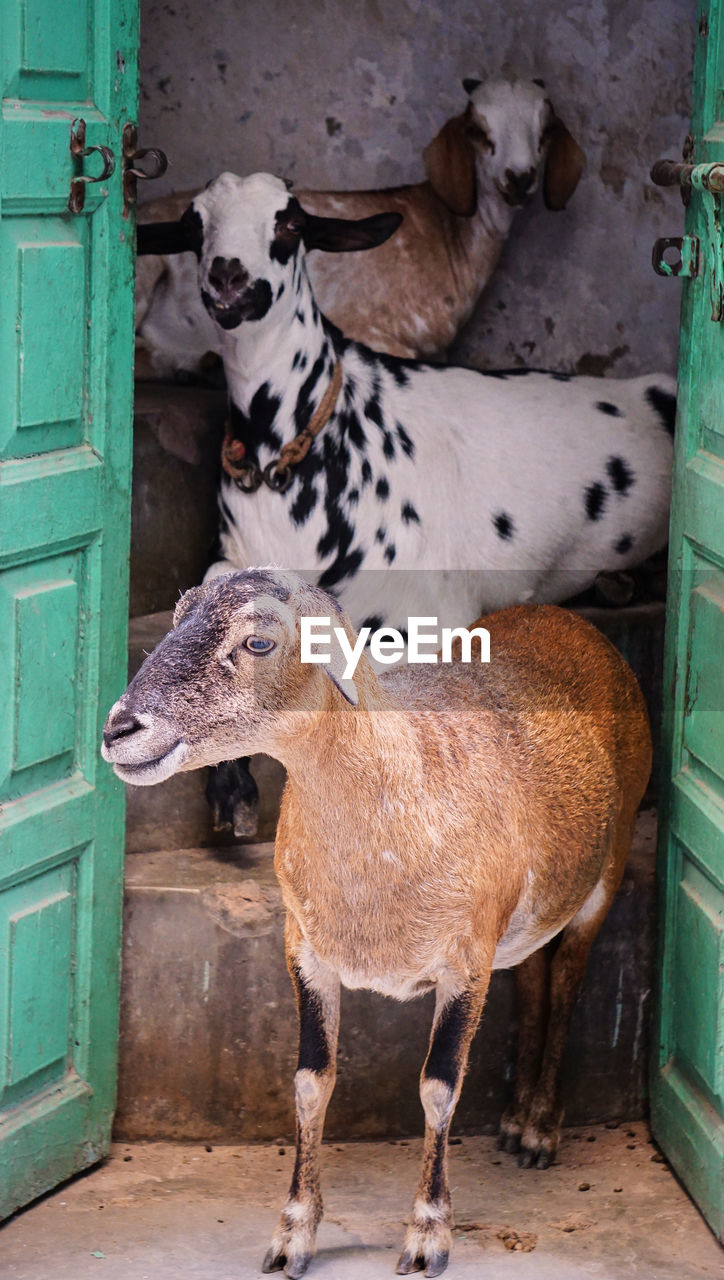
(333, 93)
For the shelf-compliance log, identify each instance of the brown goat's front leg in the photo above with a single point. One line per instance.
(428, 1238)
(317, 990)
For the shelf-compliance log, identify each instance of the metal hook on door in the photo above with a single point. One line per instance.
(708, 180)
(79, 150)
(156, 158)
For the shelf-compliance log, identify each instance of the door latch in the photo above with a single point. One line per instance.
(156, 160)
(703, 177)
(708, 180)
(79, 150)
(683, 259)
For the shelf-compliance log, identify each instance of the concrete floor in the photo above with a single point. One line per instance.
(610, 1209)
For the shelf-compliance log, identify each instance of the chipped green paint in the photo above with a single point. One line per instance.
(707, 177)
(66, 337)
(688, 263)
(687, 1103)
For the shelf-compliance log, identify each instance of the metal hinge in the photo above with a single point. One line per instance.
(708, 180)
(155, 158)
(79, 150)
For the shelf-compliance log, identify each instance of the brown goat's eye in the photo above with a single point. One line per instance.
(258, 645)
(476, 133)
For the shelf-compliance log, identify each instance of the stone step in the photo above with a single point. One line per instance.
(208, 1024)
(175, 815)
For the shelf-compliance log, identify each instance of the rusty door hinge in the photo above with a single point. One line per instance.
(708, 180)
(157, 162)
(78, 150)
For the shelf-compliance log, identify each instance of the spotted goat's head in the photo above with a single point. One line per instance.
(250, 234)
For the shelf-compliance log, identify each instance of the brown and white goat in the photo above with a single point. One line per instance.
(437, 823)
(411, 296)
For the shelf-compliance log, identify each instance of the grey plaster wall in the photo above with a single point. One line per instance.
(338, 94)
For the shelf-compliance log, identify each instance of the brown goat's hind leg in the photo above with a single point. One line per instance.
(317, 992)
(541, 1135)
(428, 1238)
(532, 979)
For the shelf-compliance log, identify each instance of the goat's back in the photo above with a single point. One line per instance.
(570, 717)
(565, 677)
(483, 802)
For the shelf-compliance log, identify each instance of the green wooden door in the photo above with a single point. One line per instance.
(688, 1070)
(66, 335)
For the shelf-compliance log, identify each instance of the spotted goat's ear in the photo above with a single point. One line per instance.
(184, 236)
(343, 235)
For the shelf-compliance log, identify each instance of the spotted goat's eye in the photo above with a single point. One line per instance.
(258, 644)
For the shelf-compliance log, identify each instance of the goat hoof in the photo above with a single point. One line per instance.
(509, 1143)
(437, 1264)
(293, 1267)
(544, 1160)
(273, 1261)
(297, 1266)
(408, 1263)
(526, 1158)
(246, 819)
(233, 797)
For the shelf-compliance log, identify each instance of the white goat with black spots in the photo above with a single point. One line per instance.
(479, 490)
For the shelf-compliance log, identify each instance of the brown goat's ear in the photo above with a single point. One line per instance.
(347, 688)
(450, 167)
(336, 668)
(188, 603)
(565, 163)
(346, 235)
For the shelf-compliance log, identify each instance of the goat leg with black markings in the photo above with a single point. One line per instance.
(317, 992)
(428, 1238)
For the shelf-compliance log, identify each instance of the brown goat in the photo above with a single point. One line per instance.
(411, 296)
(449, 822)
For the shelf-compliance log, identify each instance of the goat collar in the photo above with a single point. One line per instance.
(277, 474)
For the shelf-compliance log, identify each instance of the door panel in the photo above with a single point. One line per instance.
(688, 1068)
(40, 632)
(66, 347)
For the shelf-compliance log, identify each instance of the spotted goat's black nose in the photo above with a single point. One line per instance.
(227, 278)
(122, 725)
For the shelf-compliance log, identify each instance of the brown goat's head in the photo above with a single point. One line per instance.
(227, 681)
(508, 133)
